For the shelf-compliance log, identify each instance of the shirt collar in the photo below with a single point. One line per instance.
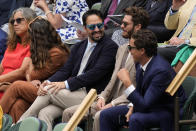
(89, 43)
(145, 66)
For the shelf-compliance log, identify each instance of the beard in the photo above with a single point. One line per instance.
(99, 36)
(128, 34)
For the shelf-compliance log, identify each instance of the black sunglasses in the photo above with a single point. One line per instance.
(18, 20)
(124, 23)
(131, 47)
(93, 26)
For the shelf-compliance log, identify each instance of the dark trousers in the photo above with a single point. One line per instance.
(109, 119)
(168, 53)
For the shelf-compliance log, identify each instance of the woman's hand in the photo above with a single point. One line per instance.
(42, 91)
(36, 83)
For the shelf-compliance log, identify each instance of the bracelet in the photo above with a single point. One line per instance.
(48, 12)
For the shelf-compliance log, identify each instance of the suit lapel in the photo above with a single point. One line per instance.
(147, 72)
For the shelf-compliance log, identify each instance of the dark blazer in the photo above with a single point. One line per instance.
(157, 15)
(98, 70)
(8, 6)
(105, 5)
(157, 78)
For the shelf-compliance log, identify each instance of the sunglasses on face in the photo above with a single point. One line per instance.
(18, 20)
(131, 47)
(124, 23)
(93, 26)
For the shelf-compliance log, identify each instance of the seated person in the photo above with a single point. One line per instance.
(70, 9)
(186, 50)
(48, 54)
(180, 19)
(17, 55)
(116, 7)
(149, 99)
(90, 65)
(157, 10)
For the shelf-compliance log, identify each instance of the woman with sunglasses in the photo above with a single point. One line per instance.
(70, 9)
(17, 55)
(48, 54)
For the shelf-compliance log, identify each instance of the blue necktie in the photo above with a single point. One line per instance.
(140, 81)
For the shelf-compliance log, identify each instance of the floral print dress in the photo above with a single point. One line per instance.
(74, 9)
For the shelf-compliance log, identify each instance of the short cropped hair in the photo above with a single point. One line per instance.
(139, 16)
(91, 12)
(146, 39)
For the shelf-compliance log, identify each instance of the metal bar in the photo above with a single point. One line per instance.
(181, 75)
(80, 112)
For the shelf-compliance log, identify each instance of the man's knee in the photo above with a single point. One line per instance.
(134, 119)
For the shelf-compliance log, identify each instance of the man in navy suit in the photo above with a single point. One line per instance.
(90, 65)
(151, 105)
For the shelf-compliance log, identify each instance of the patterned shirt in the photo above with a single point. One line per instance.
(74, 9)
(117, 37)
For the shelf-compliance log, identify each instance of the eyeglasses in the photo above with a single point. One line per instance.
(124, 23)
(18, 20)
(93, 26)
(38, 17)
(131, 47)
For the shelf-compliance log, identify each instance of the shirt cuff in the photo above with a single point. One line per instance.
(172, 12)
(129, 105)
(112, 103)
(187, 41)
(129, 90)
(66, 85)
(101, 97)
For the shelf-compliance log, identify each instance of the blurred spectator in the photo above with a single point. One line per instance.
(71, 9)
(183, 21)
(157, 10)
(115, 7)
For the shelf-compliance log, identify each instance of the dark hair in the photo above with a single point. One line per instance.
(139, 16)
(91, 12)
(43, 37)
(146, 39)
(13, 39)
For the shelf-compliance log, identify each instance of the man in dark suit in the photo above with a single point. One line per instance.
(157, 10)
(151, 106)
(122, 4)
(90, 65)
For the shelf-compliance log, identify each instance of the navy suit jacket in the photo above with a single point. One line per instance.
(157, 77)
(98, 70)
(157, 15)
